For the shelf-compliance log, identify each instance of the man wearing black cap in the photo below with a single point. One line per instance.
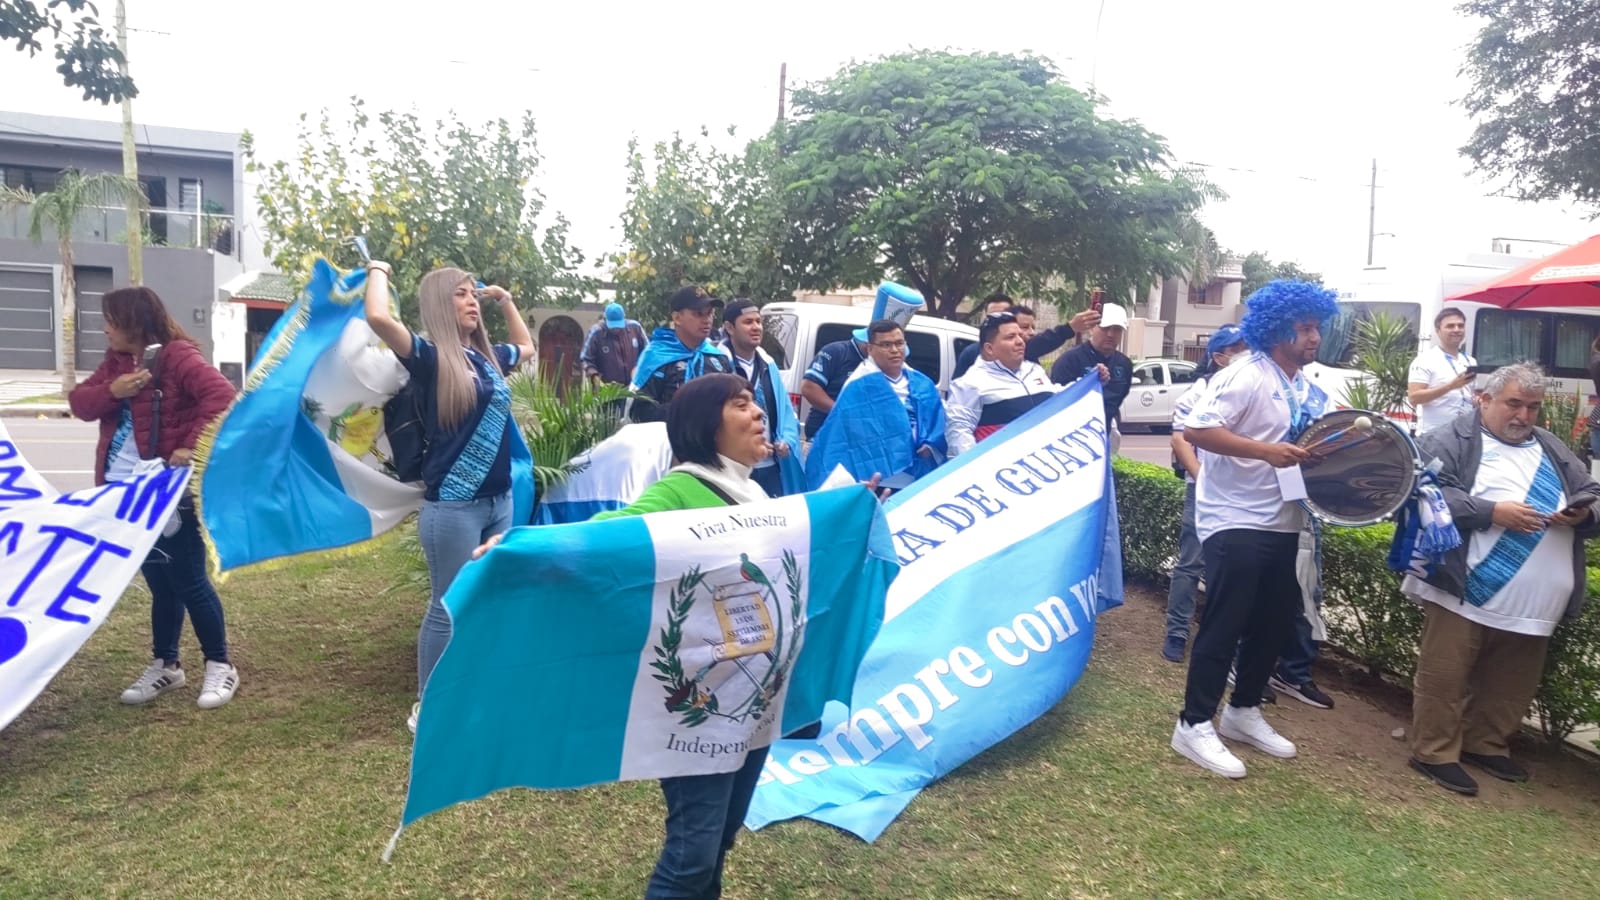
(677, 354)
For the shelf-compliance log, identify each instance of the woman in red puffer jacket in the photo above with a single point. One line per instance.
(121, 395)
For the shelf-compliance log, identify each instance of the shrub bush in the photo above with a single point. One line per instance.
(1367, 616)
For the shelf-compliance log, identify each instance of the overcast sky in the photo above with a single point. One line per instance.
(1286, 103)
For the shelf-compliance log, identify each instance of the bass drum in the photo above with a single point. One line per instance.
(1362, 468)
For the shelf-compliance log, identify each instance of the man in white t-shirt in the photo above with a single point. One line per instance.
(1248, 521)
(1439, 384)
(1518, 495)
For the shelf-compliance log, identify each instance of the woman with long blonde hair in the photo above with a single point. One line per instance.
(465, 408)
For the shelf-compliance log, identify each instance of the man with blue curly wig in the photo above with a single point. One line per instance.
(1249, 533)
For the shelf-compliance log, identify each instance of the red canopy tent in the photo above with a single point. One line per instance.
(1569, 277)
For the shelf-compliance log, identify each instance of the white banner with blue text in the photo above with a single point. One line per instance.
(67, 560)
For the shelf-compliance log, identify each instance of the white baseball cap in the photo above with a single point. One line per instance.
(1113, 316)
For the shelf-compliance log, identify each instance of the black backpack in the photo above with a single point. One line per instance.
(408, 436)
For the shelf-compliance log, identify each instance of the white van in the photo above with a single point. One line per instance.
(1557, 339)
(794, 332)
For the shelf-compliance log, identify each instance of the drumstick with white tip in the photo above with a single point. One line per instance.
(1362, 423)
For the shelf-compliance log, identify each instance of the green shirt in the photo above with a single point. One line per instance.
(677, 490)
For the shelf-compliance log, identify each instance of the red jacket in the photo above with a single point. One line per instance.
(192, 394)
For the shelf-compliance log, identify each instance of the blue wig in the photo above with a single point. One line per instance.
(1277, 306)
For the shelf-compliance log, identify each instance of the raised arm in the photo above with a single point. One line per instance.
(389, 329)
(516, 328)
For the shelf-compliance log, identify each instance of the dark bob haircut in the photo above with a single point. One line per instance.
(695, 415)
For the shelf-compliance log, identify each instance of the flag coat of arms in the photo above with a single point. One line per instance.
(649, 646)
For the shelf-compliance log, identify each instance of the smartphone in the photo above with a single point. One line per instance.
(1097, 300)
(1580, 503)
(1478, 370)
(151, 351)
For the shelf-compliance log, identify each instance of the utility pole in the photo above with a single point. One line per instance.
(1372, 212)
(130, 159)
(783, 88)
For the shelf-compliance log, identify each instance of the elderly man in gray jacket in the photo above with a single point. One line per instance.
(1523, 502)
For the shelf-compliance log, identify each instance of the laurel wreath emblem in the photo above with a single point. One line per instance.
(684, 693)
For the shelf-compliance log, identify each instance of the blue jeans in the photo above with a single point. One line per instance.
(1186, 574)
(176, 573)
(450, 530)
(704, 814)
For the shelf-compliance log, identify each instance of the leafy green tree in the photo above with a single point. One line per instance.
(951, 171)
(86, 54)
(423, 195)
(1535, 83)
(56, 211)
(1258, 270)
(698, 215)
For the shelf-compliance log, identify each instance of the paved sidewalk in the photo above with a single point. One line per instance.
(19, 384)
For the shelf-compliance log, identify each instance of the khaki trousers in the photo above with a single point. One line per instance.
(1472, 688)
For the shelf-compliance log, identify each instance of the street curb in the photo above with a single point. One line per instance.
(36, 410)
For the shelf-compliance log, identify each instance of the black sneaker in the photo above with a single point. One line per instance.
(1500, 767)
(1268, 695)
(1307, 693)
(1449, 776)
(1172, 650)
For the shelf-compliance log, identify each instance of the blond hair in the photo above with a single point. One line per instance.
(457, 394)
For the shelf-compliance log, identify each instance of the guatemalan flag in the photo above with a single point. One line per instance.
(608, 475)
(296, 464)
(650, 646)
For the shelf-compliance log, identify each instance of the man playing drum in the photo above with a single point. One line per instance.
(1523, 502)
(1248, 521)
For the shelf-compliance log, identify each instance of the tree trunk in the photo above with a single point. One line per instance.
(69, 320)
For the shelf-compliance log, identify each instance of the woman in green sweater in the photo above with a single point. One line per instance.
(717, 435)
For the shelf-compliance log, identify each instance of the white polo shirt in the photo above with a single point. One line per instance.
(1435, 367)
(1249, 399)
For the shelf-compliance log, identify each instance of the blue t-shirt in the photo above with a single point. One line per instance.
(474, 459)
(831, 369)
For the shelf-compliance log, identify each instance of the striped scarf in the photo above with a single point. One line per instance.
(470, 469)
(1514, 548)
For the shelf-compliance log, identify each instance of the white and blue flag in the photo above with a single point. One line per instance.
(651, 646)
(1008, 555)
(297, 464)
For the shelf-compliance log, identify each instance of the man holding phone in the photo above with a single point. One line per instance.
(1439, 384)
(1523, 503)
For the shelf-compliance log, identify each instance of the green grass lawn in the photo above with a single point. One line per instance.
(293, 789)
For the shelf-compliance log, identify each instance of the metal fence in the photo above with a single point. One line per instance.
(109, 225)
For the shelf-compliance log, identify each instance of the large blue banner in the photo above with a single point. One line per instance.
(989, 624)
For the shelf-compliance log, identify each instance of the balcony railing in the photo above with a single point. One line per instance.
(109, 225)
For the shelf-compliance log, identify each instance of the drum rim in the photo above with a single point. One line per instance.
(1406, 442)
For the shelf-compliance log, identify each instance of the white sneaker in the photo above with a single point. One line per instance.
(411, 720)
(221, 681)
(156, 680)
(1248, 725)
(1202, 746)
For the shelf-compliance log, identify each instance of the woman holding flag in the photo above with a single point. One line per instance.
(465, 409)
(718, 434)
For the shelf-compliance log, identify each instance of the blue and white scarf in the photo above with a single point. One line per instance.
(470, 469)
(1513, 548)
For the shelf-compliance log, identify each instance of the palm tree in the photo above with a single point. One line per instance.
(58, 210)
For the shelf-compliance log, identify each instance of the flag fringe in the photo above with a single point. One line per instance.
(266, 363)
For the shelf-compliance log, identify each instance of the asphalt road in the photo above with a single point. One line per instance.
(62, 450)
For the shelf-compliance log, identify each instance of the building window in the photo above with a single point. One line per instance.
(189, 194)
(1202, 295)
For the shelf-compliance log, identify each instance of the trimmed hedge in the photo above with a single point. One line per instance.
(1367, 616)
